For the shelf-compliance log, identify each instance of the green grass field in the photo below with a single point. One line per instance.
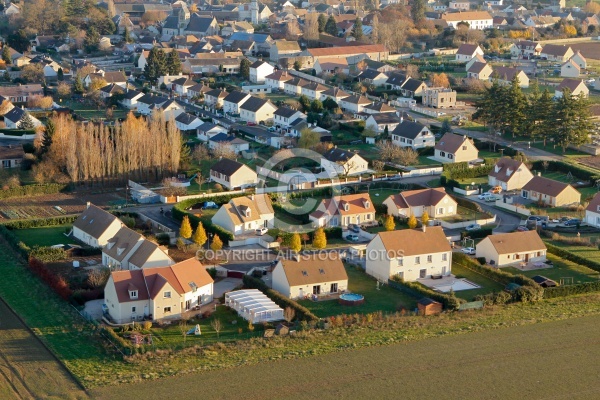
(385, 299)
(46, 236)
(487, 285)
(591, 253)
(562, 269)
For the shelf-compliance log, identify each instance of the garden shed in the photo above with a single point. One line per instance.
(427, 306)
(254, 306)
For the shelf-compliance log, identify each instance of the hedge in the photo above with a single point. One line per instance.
(492, 273)
(468, 204)
(449, 301)
(40, 222)
(567, 255)
(32, 190)
(48, 254)
(578, 171)
(14, 242)
(476, 234)
(302, 313)
(462, 171)
(570, 290)
(302, 218)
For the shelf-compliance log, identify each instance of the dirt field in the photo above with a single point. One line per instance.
(593, 162)
(556, 360)
(27, 369)
(590, 50)
(52, 205)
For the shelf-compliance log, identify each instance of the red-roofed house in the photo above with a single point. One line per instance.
(345, 210)
(435, 201)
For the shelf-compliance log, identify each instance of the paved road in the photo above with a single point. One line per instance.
(506, 221)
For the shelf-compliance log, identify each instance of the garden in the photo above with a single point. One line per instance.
(487, 285)
(45, 236)
(563, 271)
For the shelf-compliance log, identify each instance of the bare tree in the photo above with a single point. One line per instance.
(200, 153)
(407, 156)
(224, 150)
(216, 325)
(288, 314)
(311, 27)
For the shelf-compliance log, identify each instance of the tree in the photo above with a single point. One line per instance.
(308, 138)
(173, 63)
(330, 104)
(304, 102)
(127, 36)
(216, 325)
(311, 27)
(156, 64)
(92, 40)
(375, 29)
(412, 222)
(331, 26)
(407, 156)
(322, 22)
(97, 83)
(412, 71)
(424, 218)
(440, 80)
(6, 76)
(78, 85)
(245, 68)
(199, 235)
(446, 127)
(572, 120)
(47, 136)
(319, 239)
(6, 54)
(38, 101)
(223, 150)
(418, 11)
(357, 29)
(26, 122)
(389, 223)
(5, 106)
(592, 7)
(33, 73)
(217, 243)
(60, 75)
(297, 65)
(288, 314)
(185, 231)
(19, 41)
(296, 243)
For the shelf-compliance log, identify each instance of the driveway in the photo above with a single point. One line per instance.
(506, 222)
(152, 211)
(224, 286)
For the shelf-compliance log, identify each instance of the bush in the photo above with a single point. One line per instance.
(32, 190)
(563, 291)
(302, 313)
(476, 234)
(87, 251)
(41, 222)
(163, 239)
(48, 254)
(56, 282)
(449, 301)
(124, 345)
(468, 204)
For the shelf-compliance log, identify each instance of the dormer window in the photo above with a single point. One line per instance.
(110, 245)
(91, 220)
(367, 204)
(247, 212)
(133, 294)
(346, 207)
(497, 168)
(120, 250)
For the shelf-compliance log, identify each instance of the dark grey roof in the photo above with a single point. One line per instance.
(337, 155)
(207, 126)
(285, 112)
(408, 129)
(198, 23)
(226, 166)
(258, 63)
(15, 114)
(130, 94)
(396, 79)
(412, 84)
(254, 104)
(236, 97)
(385, 118)
(172, 22)
(370, 74)
(218, 93)
(186, 118)
(183, 81)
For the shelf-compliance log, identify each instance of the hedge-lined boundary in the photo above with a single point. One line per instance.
(570, 290)
(32, 190)
(449, 301)
(40, 222)
(302, 313)
(569, 256)
(578, 171)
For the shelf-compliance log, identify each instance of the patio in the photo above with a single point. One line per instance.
(530, 266)
(447, 283)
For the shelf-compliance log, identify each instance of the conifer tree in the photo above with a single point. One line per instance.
(185, 231)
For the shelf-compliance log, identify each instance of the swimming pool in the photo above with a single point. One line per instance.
(351, 299)
(456, 285)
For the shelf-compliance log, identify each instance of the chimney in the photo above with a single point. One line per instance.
(424, 228)
(87, 205)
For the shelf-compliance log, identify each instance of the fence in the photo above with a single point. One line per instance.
(465, 192)
(163, 199)
(253, 240)
(474, 305)
(15, 137)
(514, 208)
(464, 224)
(426, 111)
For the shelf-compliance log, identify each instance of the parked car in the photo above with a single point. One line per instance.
(468, 250)
(209, 205)
(573, 222)
(495, 190)
(482, 196)
(490, 197)
(473, 227)
(352, 238)
(354, 228)
(522, 228)
(261, 231)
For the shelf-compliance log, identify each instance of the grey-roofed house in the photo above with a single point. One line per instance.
(130, 98)
(206, 130)
(372, 77)
(95, 226)
(215, 97)
(233, 143)
(234, 100)
(412, 134)
(343, 162)
(260, 134)
(232, 174)
(202, 25)
(284, 116)
(257, 110)
(378, 122)
(187, 122)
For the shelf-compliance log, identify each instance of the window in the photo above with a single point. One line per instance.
(440, 210)
(417, 260)
(442, 154)
(444, 257)
(133, 294)
(429, 258)
(167, 310)
(400, 262)
(167, 294)
(464, 147)
(133, 309)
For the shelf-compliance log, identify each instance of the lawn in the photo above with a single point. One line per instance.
(425, 160)
(465, 214)
(385, 299)
(591, 253)
(487, 285)
(562, 269)
(380, 195)
(366, 151)
(473, 183)
(46, 236)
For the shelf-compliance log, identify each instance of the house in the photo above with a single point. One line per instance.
(130, 98)
(221, 64)
(343, 162)
(439, 98)
(110, 90)
(259, 71)
(21, 93)
(201, 25)
(550, 192)
(575, 87)
(525, 48)
(261, 134)
(181, 85)
(232, 174)
(480, 71)
(234, 100)
(307, 276)
(467, 51)
(335, 94)
(11, 156)
(294, 86)
(570, 69)
(284, 116)
(455, 148)
(379, 122)
(243, 215)
(459, 5)
(413, 135)
(409, 254)
(116, 77)
(313, 90)
(505, 75)
(579, 59)
(372, 77)
(378, 108)
(354, 103)
(509, 174)
(504, 249)
(208, 130)
(257, 110)
(198, 90)
(592, 212)
(479, 20)
(435, 201)
(477, 58)
(12, 9)
(95, 226)
(284, 49)
(123, 246)
(556, 52)
(344, 210)
(413, 87)
(353, 54)
(13, 118)
(215, 97)
(187, 122)
(277, 79)
(160, 293)
(234, 144)
(325, 65)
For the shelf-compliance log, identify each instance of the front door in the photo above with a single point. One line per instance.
(423, 273)
(317, 289)
(334, 288)
(301, 293)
